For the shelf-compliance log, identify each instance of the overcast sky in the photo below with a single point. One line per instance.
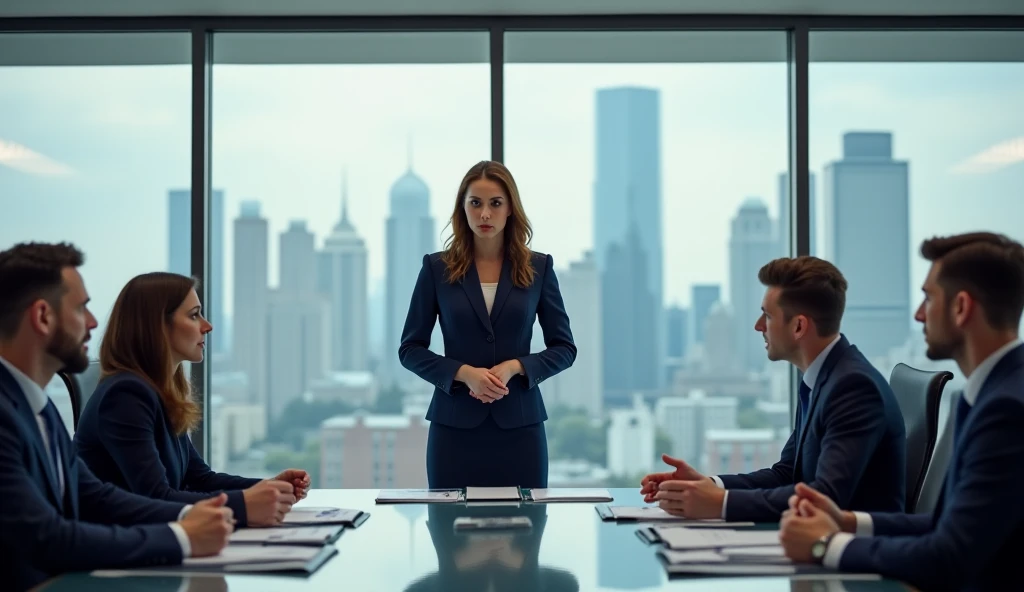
(88, 153)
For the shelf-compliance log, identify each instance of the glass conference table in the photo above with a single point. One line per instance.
(414, 548)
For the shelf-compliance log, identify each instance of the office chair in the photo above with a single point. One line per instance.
(75, 393)
(935, 477)
(919, 393)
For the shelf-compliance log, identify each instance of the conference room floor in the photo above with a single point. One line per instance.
(414, 547)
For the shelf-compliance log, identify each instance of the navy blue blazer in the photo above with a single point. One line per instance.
(42, 534)
(852, 446)
(975, 536)
(473, 337)
(126, 439)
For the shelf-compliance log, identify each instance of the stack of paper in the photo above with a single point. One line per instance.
(319, 516)
(418, 496)
(727, 562)
(490, 494)
(570, 495)
(286, 535)
(257, 558)
(684, 538)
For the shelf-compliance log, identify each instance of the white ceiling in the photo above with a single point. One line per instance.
(100, 8)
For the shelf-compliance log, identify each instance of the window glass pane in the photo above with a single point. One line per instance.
(927, 141)
(337, 157)
(94, 133)
(650, 167)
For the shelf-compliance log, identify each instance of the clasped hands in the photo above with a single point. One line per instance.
(489, 384)
(683, 492)
(811, 515)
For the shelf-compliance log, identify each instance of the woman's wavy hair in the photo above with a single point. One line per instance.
(137, 340)
(458, 249)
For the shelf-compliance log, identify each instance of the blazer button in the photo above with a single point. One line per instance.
(490, 339)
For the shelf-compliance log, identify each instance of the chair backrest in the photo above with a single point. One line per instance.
(919, 393)
(75, 393)
(935, 476)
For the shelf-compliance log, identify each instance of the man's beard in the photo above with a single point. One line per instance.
(946, 348)
(69, 351)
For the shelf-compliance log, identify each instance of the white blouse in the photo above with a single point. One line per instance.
(489, 291)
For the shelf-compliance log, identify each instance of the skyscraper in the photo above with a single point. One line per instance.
(250, 296)
(785, 228)
(410, 236)
(678, 321)
(344, 264)
(703, 296)
(752, 243)
(298, 323)
(627, 231)
(867, 194)
(179, 254)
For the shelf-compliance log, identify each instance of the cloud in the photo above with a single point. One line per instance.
(28, 161)
(992, 159)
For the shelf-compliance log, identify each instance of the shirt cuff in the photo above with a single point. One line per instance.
(184, 511)
(835, 549)
(179, 533)
(718, 481)
(725, 503)
(865, 526)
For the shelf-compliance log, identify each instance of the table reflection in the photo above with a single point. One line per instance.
(141, 583)
(490, 560)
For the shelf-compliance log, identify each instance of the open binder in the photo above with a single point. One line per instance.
(492, 495)
(323, 516)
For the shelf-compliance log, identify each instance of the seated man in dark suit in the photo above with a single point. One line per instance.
(849, 440)
(56, 516)
(974, 297)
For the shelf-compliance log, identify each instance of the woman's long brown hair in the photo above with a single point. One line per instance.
(458, 249)
(137, 340)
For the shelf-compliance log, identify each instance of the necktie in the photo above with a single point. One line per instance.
(53, 423)
(804, 402)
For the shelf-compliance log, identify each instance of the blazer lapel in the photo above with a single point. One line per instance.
(13, 390)
(471, 285)
(504, 287)
(826, 369)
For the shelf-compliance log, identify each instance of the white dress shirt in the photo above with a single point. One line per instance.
(489, 289)
(865, 527)
(37, 401)
(810, 377)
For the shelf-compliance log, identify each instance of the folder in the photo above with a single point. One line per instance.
(322, 516)
(656, 514)
(570, 495)
(419, 496)
(288, 535)
(692, 539)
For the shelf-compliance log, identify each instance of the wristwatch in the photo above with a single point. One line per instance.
(820, 547)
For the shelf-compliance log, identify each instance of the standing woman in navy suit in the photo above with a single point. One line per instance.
(486, 288)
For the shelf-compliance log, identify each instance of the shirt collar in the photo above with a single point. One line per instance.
(36, 396)
(977, 378)
(811, 374)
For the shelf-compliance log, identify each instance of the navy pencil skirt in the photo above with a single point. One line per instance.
(487, 456)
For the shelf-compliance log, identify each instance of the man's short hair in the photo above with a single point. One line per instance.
(809, 286)
(986, 265)
(28, 272)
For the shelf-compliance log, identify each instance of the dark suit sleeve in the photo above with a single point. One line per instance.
(981, 514)
(854, 423)
(105, 503)
(419, 324)
(560, 351)
(127, 416)
(200, 477)
(781, 473)
(898, 523)
(55, 544)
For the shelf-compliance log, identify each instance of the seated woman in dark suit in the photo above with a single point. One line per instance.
(487, 287)
(134, 430)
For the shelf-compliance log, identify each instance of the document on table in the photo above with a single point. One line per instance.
(317, 516)
(489, 494)
(570, 495)
(287, 535)
(683, 538)
(656, 514)
(419, 496)
(259, 558)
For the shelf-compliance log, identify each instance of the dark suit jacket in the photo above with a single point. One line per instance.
(126, 439)
(43, 535)
(975, 537)
(852, 446)
(473, 337)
